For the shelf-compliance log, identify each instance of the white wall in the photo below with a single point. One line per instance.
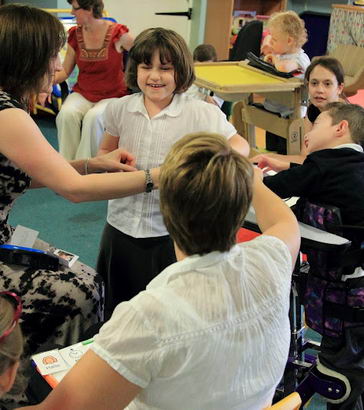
(140, 14)
(37, 3)
(63, 4)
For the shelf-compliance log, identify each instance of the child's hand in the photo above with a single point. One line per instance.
(266, 47)
(114, 161)
(267, 163)
(269, 58)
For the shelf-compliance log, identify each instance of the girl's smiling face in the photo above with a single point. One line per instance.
(157, 81)
(323, 87)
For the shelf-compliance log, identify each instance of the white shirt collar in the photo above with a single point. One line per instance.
(353, 146)
(173, 109)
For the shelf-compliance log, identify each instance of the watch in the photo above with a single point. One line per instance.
(149, 185)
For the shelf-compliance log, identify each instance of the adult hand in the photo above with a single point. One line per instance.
(114, 161)
(267, 163)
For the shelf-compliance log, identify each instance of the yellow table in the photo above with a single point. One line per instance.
(237, 81)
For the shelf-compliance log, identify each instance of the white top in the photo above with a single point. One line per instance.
(352, 145)
(209, 332)
(301, 58)
(303, 61)
(150, 139)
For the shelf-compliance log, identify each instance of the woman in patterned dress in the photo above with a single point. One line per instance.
(57, 306)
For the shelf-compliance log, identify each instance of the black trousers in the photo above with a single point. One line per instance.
(128, 264)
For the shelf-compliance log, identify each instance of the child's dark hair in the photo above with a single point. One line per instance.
(204, 52)
(172, 49)
(97, 6)
(353, 114)
(329, 63)
(205, 192)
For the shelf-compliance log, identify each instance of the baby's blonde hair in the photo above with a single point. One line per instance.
(289, 22)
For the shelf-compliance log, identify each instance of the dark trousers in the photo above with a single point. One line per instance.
(128, 264)
(346, 356)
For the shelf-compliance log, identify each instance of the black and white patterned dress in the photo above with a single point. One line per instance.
(57, 306)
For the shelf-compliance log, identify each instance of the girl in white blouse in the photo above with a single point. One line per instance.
(135, 246)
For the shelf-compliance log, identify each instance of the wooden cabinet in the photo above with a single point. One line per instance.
(266, 7)
(219, 19)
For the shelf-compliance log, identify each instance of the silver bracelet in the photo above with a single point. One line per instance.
(86, 165)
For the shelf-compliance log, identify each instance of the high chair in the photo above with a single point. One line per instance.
(291, 402)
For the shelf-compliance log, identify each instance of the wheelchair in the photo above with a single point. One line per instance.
(329, 305)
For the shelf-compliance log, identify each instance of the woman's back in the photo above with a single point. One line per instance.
(204, 333)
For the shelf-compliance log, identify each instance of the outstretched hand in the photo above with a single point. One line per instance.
(267, 163)
(118, 160)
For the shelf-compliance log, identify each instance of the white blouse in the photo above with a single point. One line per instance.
(210, 332)
(150, 140)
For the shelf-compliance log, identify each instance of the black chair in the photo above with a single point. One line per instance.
(249, 39)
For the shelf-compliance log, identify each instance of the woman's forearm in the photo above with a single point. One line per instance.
(97, 187)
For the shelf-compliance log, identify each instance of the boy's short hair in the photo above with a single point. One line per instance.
(204, 52)
(353, 114)
(205, 193)
(172, 48)
(290, 23)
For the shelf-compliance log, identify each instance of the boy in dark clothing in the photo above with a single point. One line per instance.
(333, 174)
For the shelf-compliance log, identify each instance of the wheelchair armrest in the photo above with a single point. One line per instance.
(311, 237)
(316, 239)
